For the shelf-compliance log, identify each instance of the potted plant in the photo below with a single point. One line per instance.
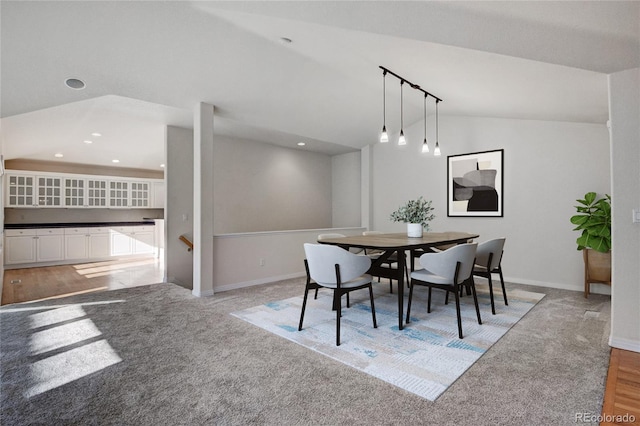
(594, 220)
(416, 214)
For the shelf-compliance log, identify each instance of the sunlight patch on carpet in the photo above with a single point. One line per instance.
(425, 358)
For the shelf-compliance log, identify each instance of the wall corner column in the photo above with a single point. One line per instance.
(366, 187)
(203, 200)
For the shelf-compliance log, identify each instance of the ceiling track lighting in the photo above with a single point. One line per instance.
(402, 140)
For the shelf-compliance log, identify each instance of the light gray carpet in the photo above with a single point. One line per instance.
(156, 355)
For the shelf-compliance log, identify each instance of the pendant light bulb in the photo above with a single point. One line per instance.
(384, 136)
(402, 140)
(436, 150)
(425, 147)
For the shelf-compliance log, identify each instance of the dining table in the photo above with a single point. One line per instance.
(397, 243)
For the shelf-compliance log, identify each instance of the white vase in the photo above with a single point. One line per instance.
(414, 230)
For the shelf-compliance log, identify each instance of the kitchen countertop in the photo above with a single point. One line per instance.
(75, 224)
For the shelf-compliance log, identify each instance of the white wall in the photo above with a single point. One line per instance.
(179, 205)
(238, 256)
(345, 190)
(262, 187)
(624, 111)
(548, 165)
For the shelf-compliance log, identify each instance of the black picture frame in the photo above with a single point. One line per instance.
(475, 184)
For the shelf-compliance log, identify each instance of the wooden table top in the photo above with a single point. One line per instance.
(401, 241)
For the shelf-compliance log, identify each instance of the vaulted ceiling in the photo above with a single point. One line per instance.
(147, 64)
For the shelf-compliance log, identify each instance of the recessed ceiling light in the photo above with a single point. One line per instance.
(162, 165)
(115, 161)
(58, 155)
(88, 142)
(301, 144)
(285, 40)
(74, 83)
(96, 134)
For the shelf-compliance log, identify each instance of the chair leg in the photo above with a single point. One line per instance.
(336, 298)
(409, 303)
(504, 291)
(390, 286)
(316, 295)
(475, 299)
(304, 305)
(429, 301)
(373, 308)
(446, 298)
(493, 306)
(348, 303)
(457, 294)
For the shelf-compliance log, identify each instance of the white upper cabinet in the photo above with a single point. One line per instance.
(141, 194)
(118, 193)
(25, 189)
(97, 193)
(20, 190)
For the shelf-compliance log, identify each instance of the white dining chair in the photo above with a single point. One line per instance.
(343, 272)
(488, 262)
(447, 270)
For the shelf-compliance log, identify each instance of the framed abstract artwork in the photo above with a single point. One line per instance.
(475, 184)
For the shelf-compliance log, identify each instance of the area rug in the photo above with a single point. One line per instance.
(424, 358)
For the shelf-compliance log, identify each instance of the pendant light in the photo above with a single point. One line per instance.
(401, 140)
(436, 150)
(425, 146)
(384, 136)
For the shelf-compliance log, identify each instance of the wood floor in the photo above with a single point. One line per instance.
(24, 285)
(622, 395)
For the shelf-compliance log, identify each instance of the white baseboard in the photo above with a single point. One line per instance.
(626, 344)
(206, 293)
(595, 288)
(258, 281)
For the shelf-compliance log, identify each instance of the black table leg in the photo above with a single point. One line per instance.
(401, 268)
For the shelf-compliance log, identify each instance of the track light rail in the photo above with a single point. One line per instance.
(413, 86)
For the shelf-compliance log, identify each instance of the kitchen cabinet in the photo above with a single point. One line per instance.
(140, 194)
(49, 245)
(33, 245)
(121, 241)
(96, 193)
(118, 194)
(49, 191)
(66, 245)
(143, 240)
(99, 243)
(74, 192)
(21, 191)
(76, 243)
(158, 195)
(20, 246)
(65, 190)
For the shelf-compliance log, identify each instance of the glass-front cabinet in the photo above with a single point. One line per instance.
(118, 194)
(74, 192)
(97, 193)
(65, 190)
(21, 191)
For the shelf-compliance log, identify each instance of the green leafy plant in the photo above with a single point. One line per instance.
(594, 220)
(415, 211)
